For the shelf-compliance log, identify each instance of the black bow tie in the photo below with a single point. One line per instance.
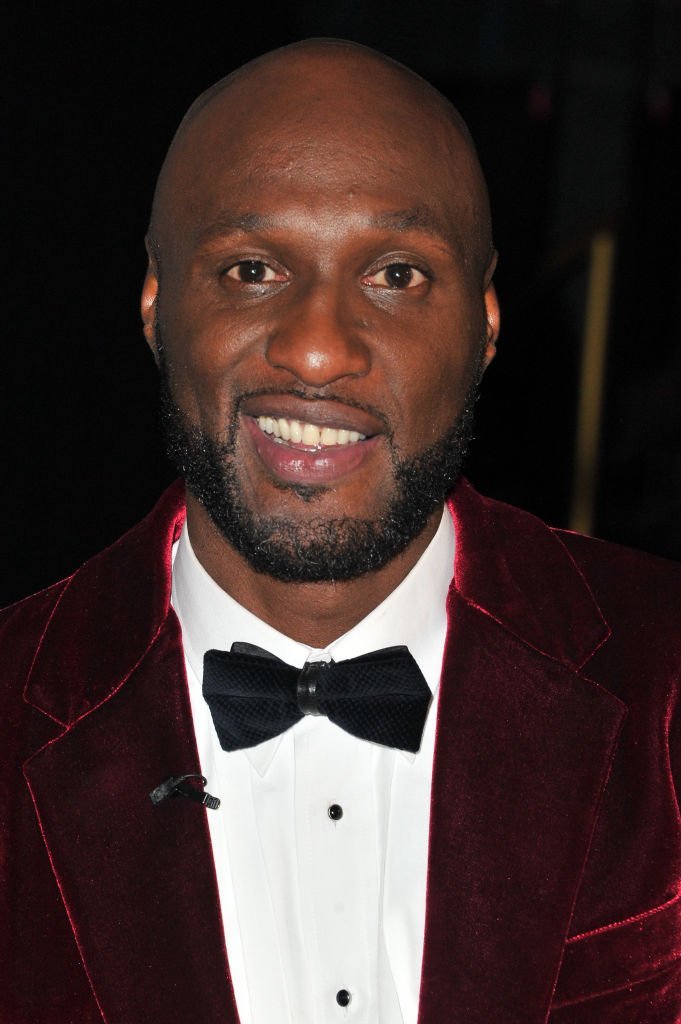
(254, 696)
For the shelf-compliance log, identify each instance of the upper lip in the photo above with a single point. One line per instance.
(322, 412)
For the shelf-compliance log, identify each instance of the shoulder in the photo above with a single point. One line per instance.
(125, 584)
(622, 576)
(548, 583)
(639, 596)
(617, 574)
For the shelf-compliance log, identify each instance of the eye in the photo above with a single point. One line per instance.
(396, 276)
(253, 272)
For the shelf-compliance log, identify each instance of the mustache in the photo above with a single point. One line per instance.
(310, 395)
(296, 391)
(173, 415)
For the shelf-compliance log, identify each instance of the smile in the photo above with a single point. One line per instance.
(323, 455)
(309, 435)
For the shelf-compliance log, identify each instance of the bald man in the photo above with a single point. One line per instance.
(329, 737)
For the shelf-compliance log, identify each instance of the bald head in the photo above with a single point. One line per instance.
(323, 54)
(316, 111)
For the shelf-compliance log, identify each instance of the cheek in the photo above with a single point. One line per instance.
(433, 388)
(207, 356)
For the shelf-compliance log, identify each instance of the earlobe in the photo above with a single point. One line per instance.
(493, 324)
(148, 307)
(492, 313)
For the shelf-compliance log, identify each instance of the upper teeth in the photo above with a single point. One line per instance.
(307, 433)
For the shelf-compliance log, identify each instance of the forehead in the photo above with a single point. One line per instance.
(323, 133)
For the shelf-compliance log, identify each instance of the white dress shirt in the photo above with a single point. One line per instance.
(316, 909)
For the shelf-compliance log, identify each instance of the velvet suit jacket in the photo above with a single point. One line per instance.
(554, 872)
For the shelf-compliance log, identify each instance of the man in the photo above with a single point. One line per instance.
(496, 836)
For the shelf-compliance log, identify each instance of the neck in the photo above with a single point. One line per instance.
(315, 614)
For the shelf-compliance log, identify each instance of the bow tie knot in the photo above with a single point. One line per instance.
(307, 697)
(254, 696)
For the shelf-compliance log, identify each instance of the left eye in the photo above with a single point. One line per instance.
(396, 276)
(253, 272)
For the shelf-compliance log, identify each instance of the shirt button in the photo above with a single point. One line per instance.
(336, 813)
(343, 997)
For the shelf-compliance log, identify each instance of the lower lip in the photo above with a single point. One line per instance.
(306, 466)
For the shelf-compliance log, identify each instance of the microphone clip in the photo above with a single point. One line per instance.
(179, 786)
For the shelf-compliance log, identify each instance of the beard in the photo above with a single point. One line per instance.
(321, 549)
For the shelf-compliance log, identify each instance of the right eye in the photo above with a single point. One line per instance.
(253, 272)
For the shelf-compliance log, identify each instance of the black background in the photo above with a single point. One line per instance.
(576, 110)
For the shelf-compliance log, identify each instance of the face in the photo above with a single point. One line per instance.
(320, 318)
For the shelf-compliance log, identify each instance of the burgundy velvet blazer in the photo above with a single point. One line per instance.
(554, 877)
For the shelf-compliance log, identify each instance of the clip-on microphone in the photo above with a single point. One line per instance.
(178, 786)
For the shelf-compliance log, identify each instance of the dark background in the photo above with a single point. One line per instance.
(576, 107)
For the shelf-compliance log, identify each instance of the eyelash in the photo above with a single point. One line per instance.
(404, 262)
(253, 260)
(393, 262)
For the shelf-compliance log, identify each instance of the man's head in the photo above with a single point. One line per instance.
(320, 267)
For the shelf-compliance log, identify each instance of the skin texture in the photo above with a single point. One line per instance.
(328, 164)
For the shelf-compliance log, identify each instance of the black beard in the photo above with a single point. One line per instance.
(321, 549)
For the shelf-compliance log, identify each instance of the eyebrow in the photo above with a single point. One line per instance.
(229, 221)
(420, 218)
(417, 218)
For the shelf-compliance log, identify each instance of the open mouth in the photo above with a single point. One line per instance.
(309, 441)
(308, 436)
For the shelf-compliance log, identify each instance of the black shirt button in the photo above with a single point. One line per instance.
(336, 813)
(343, 997)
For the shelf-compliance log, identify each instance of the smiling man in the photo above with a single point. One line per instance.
(411, 754)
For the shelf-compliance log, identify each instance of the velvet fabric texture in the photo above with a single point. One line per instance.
(554, 877)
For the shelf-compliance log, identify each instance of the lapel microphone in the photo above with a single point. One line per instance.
(177, 785)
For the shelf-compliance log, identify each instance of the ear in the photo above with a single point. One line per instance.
(492, 311)
(148, 304)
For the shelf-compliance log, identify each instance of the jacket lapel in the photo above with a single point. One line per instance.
(523, 751)
(137, 881)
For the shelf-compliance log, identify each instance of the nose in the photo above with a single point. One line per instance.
(319, 339)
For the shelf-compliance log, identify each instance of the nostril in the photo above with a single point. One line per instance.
(318, 357)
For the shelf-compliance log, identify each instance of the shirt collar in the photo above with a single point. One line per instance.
(414, 614)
